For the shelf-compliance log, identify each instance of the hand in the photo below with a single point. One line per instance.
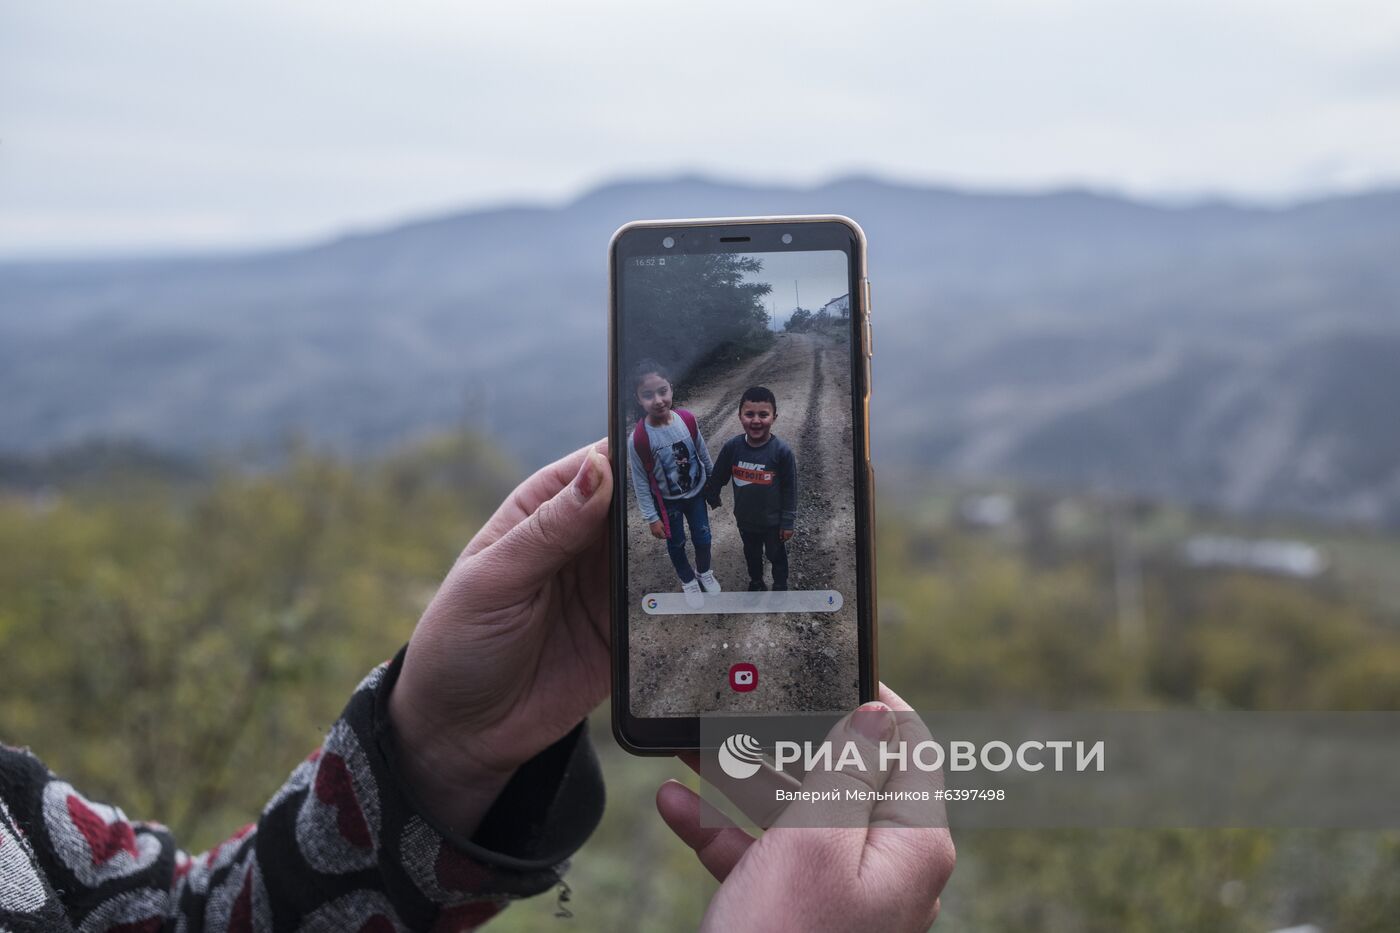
(658, 530)
(786, 534)
(512, 652)
(715, 502)
(879, 871)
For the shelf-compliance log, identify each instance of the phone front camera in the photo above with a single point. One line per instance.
(669, 242)
(787, 239)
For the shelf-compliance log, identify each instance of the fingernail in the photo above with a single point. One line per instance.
(874, 721)
(590, 474)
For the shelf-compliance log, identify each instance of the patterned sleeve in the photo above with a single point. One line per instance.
(341, 846)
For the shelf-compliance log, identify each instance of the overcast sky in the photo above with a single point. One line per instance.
(162, 124)
(814, 278)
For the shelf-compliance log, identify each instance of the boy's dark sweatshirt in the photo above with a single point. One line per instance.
(765, 482)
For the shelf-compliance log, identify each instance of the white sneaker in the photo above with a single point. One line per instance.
(708, 581)
(693, 597)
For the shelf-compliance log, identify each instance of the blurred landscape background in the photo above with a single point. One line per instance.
(1236, 356)
(1133, 413)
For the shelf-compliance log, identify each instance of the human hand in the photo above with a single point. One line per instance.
(786, 534)
(879, 871)
(658, 530)
(715, 503)
(512, 652)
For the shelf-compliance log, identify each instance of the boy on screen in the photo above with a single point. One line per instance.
(764, 472)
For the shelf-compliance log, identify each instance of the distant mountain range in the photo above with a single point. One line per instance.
(1243, 356)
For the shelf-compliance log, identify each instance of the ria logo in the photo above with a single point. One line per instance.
(740, 756)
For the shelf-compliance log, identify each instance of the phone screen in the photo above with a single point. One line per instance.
(738, 409)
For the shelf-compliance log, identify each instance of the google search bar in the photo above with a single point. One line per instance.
(677, 604)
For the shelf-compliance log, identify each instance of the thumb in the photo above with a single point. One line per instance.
(524, 558)
(842, 797)
(719, 848)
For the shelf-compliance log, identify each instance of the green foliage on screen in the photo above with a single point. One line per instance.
(693, 313)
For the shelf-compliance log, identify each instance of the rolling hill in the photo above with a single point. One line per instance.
(1237, 355)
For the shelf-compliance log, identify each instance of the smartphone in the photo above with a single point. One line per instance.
(742, 553)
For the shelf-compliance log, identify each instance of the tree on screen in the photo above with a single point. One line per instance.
(693, 312)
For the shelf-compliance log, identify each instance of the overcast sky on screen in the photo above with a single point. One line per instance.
(801, 279)
(160, 124)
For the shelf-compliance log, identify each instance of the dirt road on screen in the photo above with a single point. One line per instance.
(680, 663)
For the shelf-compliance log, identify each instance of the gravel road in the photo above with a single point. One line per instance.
(806, 661)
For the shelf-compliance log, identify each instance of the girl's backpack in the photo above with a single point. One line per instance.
(641, 443)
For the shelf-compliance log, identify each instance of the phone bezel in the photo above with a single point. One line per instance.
(667, 735)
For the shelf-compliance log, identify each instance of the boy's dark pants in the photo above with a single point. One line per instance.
(771, 541)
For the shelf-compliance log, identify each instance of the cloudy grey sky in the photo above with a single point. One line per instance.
(161, 124)
(813, 278)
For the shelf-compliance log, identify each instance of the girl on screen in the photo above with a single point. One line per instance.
(670, 466)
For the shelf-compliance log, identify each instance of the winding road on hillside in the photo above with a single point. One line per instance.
(806, 661)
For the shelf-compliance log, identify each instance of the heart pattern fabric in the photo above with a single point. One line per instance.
(340, 843)
(96, 842)
(131, 912)
(22, 891)
(338, 822)
(357, 912)
(443, 874)
(239, 904)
